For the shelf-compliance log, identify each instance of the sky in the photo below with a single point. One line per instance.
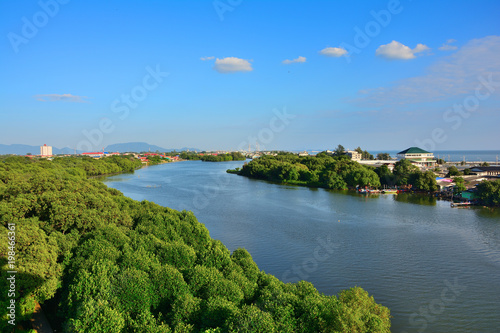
(226, 74)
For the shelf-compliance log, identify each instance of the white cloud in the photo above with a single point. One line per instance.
(207, 58)
(396, 50)
(61, 97)
(447, 46)
(232, 65)
(299, 59)
(453, 75)
(333, 52)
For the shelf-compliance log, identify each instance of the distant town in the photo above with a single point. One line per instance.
(449, 175)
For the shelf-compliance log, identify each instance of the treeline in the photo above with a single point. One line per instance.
(233, 156)
(336, 172)
(108, 263)
(488, 192)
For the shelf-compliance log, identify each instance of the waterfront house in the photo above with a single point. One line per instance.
(417, 156)
(486, 171)
(469, 195)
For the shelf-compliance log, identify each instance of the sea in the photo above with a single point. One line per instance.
(490, 156)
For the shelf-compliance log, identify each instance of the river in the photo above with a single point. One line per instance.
(437, 268)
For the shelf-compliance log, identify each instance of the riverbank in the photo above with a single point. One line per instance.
(341, 173)
(111, 263)
(403, 249)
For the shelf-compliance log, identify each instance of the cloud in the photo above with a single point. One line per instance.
(299, 59)
(453, 75)
(61, 97)
(207, 58)
(447, 46)
(333, 52)
(232, 65)
(396, 50)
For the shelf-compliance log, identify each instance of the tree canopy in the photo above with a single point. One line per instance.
(119, 265)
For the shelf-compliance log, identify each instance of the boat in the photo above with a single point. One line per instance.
(389, 191)
(460, 204)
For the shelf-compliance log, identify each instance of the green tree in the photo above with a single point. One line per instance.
(339, 150)
(489, 192)
(403, 171)
(453, 171)
(459, 185)
(426, 181)
(383, 156)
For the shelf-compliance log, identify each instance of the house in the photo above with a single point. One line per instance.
(97, 154)
(354, 155)
(417, 156)
(486, 171)
(469, 195)
(303, 154)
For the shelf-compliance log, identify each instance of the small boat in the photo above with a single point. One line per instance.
(460, 204)
(389, 191)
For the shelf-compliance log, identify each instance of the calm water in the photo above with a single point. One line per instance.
(436, 268)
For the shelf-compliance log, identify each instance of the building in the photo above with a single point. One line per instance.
(45, 150)
(417, 156)
(486, 171)
(97, 154)
(354, 155)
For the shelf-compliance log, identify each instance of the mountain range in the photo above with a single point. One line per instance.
(19, 149)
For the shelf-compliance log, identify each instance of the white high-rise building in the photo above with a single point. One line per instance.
(46, 150)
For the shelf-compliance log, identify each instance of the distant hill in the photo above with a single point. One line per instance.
(18, 149)
(140, 146)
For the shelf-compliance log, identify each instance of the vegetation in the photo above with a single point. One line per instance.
(383, 156)
(453, 171)
(336, 172)
(364, 154)
(155, 159)
(459, 185)
(189, 155)
(488, 193)
(112, 264)
(233, 156)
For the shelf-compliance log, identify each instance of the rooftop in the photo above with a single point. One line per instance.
(414, 150)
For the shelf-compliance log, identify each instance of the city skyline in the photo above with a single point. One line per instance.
(219, 75)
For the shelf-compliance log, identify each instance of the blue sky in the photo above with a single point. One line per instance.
(383, 75)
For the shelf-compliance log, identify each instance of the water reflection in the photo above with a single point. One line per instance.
(415, 198)
(401, 254)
